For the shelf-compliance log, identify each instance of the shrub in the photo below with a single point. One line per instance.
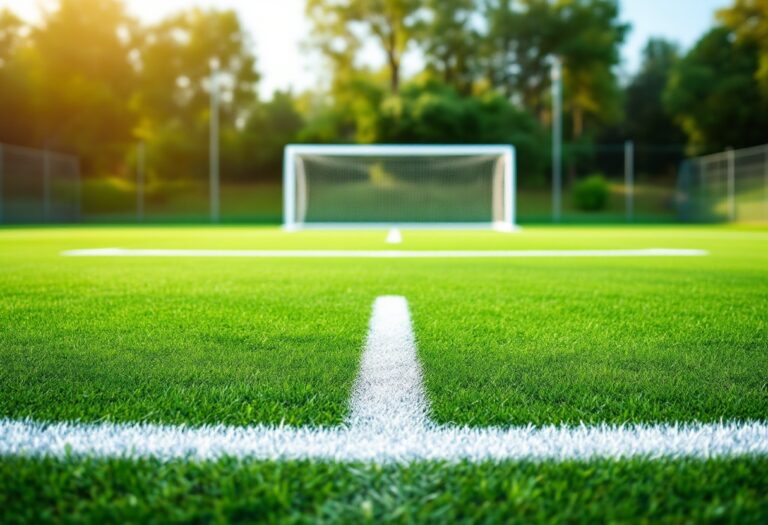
(591, 194)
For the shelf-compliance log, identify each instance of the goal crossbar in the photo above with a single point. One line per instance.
(297, 183)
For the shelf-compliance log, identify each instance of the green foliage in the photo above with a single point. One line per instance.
(647, 121)
(341, 29)
(71, 96)
(257, 150)
(450, 44)
(749, 21)
(15, 84)
(714, 95)
(512, 58)
(431, 112)
(591, 193)
(590, 48)
(91, 80)
(585, 34)
(174, 90)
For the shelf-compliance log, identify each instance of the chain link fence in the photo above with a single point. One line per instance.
(731, 186)
(643, 180)
(639, 182)
(38, 186)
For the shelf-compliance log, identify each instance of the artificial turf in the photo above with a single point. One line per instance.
(232, 491)
(505, 341)
(502, 342)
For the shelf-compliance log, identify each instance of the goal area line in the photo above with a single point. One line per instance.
(500, 226)
(385, 254)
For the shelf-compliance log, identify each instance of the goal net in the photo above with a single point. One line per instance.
(407, 186)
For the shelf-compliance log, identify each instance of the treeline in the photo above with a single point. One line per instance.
(91, 80)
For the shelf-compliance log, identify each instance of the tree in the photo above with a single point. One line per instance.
(714, 96)
(521, 41)
(10, 35)
(175, 61)
(85, 88)
(748, 19)
(589, 45)
(341, 27)
(431, 112)
(647, 120)
(269, 128)
(449, 40)
(525, 36)
(16, 72)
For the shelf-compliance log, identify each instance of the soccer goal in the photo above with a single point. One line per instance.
(353, 186)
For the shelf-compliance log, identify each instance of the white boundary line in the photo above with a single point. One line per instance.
(344, 444)
(388, 423)
(384, 254)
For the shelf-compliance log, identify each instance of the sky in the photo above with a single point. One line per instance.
(278, 28)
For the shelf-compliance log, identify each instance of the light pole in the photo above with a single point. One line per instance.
(214, 145)
(730, 156)
(557, 138)
(140, 176)
(629, 179)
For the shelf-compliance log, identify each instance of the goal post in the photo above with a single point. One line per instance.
(405, 186)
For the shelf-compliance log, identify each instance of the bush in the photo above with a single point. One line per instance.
(591, 194)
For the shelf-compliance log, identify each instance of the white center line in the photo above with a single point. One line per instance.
(389, 393)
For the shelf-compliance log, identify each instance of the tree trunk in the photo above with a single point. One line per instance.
(578, 122)
(394, 60)
(394, 72)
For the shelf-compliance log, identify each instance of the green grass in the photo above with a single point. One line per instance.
(502, 342)
(230, 491)
(594, 341)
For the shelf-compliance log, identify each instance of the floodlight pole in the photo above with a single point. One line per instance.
(2, 162)
(214, 145)
(79, 193)
(46, 185)
(629, 178)
(557, 138)
(765, 182)
(140, 174)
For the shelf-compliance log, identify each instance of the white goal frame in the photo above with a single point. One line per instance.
(291, 181)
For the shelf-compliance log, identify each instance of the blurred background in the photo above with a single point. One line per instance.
(178, 111)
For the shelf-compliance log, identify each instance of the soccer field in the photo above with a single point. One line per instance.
(601, 330)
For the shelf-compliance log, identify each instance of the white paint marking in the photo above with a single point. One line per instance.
(453, 444)
(394, 236)
(389, 393)
(388, 423)
(384, 254)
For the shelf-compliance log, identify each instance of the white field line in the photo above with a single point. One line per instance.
(388, 423)
(452, 444)
(394, 236)
(384, 254)
(389, 396)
